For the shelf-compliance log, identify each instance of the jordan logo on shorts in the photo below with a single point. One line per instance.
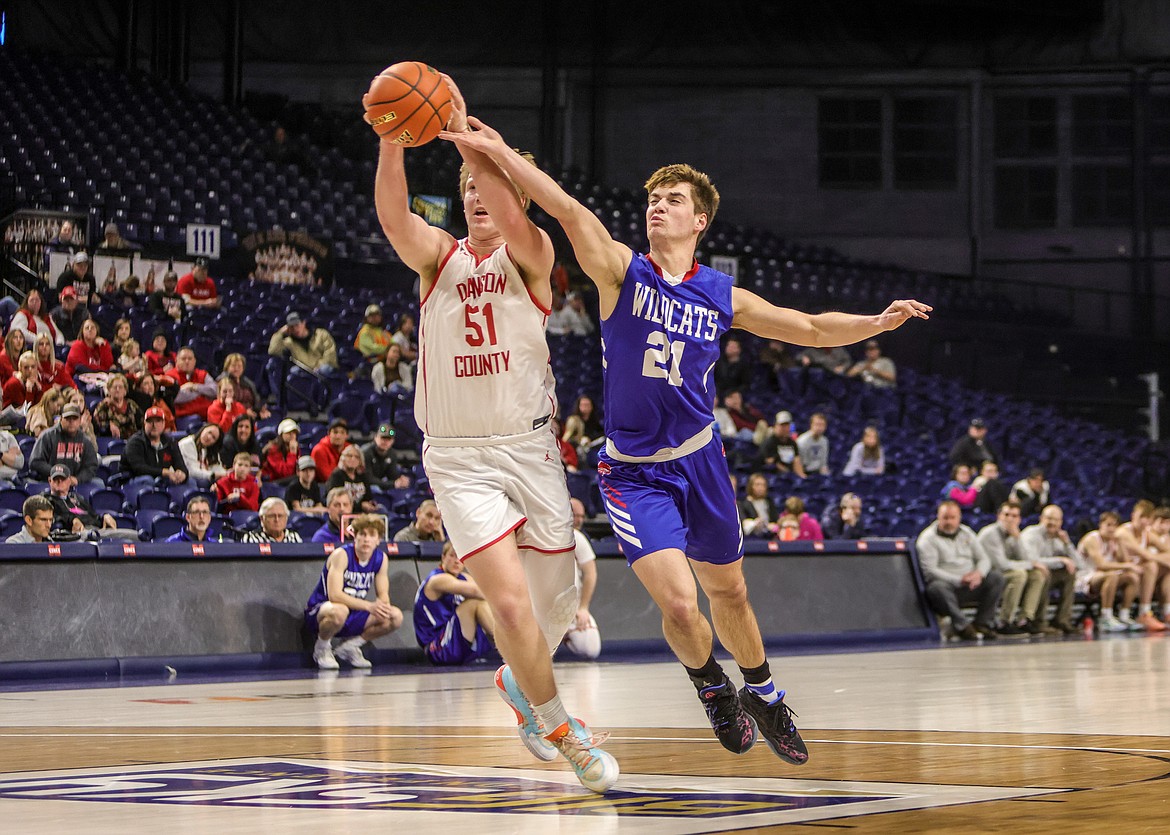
(547, 457)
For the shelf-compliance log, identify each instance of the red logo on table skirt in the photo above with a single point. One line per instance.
(128, 549)
(862, 546)
(773, 546)
(900, 545)
(391, 547)
(54, 550)
(330, 547)
(265, 548)
(818, 546)
(197, 549)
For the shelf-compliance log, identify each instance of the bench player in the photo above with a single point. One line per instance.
(663, 472)
(485, 400)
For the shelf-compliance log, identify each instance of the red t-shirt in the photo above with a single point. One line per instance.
(53, 373)
(197, 405)
(99, 357)
(249, 492)
(325, 456)
(15, 394)
(197, 290)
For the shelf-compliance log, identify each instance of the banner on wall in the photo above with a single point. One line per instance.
(277, 256)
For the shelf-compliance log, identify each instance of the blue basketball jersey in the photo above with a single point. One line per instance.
(358, 581)
(431, 616)
(659, 346)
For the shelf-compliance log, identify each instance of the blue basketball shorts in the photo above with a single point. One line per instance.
(451, 649)
(355, 623)
(686, 504)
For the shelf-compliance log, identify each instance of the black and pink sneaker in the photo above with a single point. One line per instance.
(734, 728)
(776, 726)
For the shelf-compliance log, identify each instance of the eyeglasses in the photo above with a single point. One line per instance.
(198, 512)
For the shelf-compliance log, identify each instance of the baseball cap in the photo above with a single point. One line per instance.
(977, 423)
(69, 292)
(287, 425)
(336, 422)
(81, 258)
(306, 462)
(293, 318)
(200, 262)
(155, 412)
(372, 309)
(70, 410)
(59, 471)
(784, 417)
(386, 430)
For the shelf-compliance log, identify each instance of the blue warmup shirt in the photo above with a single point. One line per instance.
(358, 581)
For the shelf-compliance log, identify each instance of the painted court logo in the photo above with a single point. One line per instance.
(665, 804)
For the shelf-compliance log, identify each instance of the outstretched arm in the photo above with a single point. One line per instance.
(823, 330)
(602, 258)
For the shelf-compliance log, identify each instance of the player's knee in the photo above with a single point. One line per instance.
(332, 614)
(735, 594)
(681, 610)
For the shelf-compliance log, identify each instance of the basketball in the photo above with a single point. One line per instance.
(408, 103)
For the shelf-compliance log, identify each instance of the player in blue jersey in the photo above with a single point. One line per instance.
(663, 473)
(339, 606)
(452, 621)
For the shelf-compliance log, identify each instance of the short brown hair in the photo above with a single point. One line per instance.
(465, 175)
(368, 522)
(1162, 512)
(1108, 515)
(34, 505)
(1143, 508)
(703, 192)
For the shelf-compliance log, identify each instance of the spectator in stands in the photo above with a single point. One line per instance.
(1047, 544)
(166, 303)
(243, 389)
(958, 573)
(867, 456)
(973, 449)
(75, 397)
(126, 296)
(239, 489)
(1112, 572)
(779, 452)
(196, 388)
(114, 242)
(1022, 581)
(198, 527)
(393, 373)
(809, 529)
(24, 390)
(79, 276)
(148, 396)
(224, 409)
(959, 489)
(836, 360)
(68, 445)
(453, 623)
(568, 451)
(284, 151)
(69, 316)
(241, 437)
(160, 359)
(273, 524)
(740, 420)
(50, 370)
(313, 350)
(335, 608)
(1143, 546)
(152, 455)
(117, 415)
(583, 427)
(90, 353)
(758, 513)
(406, 339)
(327, 451)
(14, 345)
(131, 361)
(75, 516)
(383, 467)
(350, 474)
(788, 528)
(201, 455)
(844, 519)
(123, 333)
(304, 494)
(732, 371)
(337, 504)
(33, 318)
(38, 521)
(426, 527)
(372, 339)
(776, 357)
(874, 369)
(45, 413)
(197, 288)
(583, 637)
(814, 445)
(67, 238)
(281, 453)
(1031, 493)
(11, 458)
(569, 316)
(992, 491)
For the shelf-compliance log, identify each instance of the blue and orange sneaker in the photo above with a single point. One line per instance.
(529, 728)
(734, 727)
(596, 769)
(776, 725)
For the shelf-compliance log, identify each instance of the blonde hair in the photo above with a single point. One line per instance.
(131, 344)
(465, 175)
(246, 457)
(703, 192)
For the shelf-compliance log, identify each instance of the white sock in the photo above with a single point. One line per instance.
(325, 643)
(352, 642)
(1143, 609)
(1125, 616)
(552, 714)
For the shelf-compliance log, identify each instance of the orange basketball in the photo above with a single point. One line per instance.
(408, 103)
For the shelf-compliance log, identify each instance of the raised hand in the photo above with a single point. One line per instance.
(902, 310)
(457, 123)
(481, 138)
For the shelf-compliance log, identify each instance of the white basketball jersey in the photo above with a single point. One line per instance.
(483, 367)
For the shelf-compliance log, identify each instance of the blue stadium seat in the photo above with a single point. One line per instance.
(165, 526)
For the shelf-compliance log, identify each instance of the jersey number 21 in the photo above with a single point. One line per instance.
(663, 358)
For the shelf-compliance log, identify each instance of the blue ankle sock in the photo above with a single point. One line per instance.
(767, 691)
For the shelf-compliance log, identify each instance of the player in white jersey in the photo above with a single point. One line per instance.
(484, 400)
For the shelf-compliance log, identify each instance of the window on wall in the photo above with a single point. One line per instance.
(849, 135)
(1025, 196)
(925, 143)
(1102, 125)
(1025, 126)
(1101, 195)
